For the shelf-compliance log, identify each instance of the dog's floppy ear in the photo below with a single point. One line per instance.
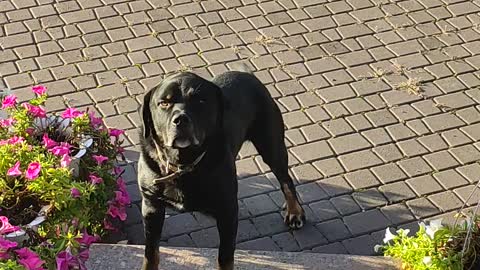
(146, 114)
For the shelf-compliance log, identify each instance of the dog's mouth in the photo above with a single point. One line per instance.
(182, 142)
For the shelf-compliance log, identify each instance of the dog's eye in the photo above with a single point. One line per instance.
(164, 103)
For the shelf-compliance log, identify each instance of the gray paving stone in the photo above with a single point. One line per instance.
(397, 213)
(455, 137)
(306, 173)
(365, 222)
(264, 243)
(286, 241)
(310, 192)
(397, 192)
(345, 205)
(422, 208)
(179, 224)
(254, 185)
(450, 179)
(446, 201)
(206, 238)
(312, 151)
(308, 237)
(269, 224)
(333, 248)
(424, 185)
(441, 160)
(468, 194)
(324, 210)
(369, 198)
(359, 160)
(181, 241)
(414, 166)
(388, 173)
(348, 143)
(362, 245)
(333, 230)
(470, 172)
(260, 204)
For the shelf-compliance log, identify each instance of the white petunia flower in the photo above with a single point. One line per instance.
(388, 236)
(434, 226)
(427, 260)
(403, 232)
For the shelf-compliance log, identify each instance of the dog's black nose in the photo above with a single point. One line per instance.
(181, 119)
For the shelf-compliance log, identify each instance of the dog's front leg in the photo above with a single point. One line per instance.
(227, 224)
(153, 217)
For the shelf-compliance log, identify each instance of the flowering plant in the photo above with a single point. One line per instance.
(60, 188)
(435, 247)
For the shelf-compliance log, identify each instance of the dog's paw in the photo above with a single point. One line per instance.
(295, 218)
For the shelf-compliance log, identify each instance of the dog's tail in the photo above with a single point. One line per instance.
(243, 67)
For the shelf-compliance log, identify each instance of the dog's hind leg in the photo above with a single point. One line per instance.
(268, 138)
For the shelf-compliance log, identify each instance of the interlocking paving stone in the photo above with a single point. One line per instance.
(286, 241)
(359, 160)
(424, 185)
(422, 208)
(351, 135)
(309, 237)
(366, 222)
(446, 201)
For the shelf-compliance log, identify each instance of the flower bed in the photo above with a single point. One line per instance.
(436, 247)
(60, 189)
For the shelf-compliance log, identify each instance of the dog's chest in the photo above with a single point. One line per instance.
(181, 196)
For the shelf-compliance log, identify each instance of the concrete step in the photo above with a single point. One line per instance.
(114, 257)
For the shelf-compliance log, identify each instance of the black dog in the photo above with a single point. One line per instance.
(192, 131)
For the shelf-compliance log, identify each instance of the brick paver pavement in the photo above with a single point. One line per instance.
(380, 100)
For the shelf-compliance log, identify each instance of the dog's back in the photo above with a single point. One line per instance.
(250, 111)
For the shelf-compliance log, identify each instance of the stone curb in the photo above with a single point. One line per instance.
(109, 256)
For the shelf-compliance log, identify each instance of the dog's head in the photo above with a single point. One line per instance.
(182, 111)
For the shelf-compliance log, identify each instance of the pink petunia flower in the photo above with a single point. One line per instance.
(9, 101)
(30, 131)
(121, 185)
(107, 225)
(39, 89)
(83, 257)
(33, 170)
(71, 113)
(122, 198)
(75, 193)
(62, 149)
(64, 260)
(117, 171)
(6, 227)
(5, 245)
(15, 139)
(116, 132)
(65, 161)
(15, 170)
(87, 239)
(115, 211)
(95, 179)
(36, 111)
(7, 122)
(49, 143)
(29, 259)
(100, 159)
(94, 121)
